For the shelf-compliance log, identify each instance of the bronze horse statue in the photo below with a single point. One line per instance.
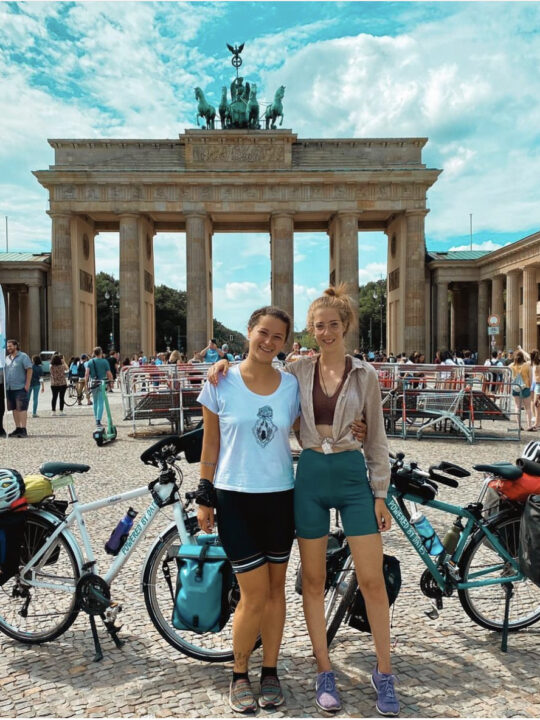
(253, 108)
(224, 112)
(275, 110)
(205, 110)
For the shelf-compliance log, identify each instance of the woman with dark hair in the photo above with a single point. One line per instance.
(35, 383)
(247, 474)
(58, 382)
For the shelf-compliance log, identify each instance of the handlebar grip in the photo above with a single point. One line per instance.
(443, 479)
(529, 466)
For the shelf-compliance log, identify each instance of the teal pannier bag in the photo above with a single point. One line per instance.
(203, 586)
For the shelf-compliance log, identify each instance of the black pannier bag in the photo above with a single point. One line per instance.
(392, 578)
(12, 526)
(529, 540)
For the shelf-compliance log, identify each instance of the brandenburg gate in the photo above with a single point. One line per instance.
(231, 181)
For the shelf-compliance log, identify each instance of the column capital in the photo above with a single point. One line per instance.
(284, 213)
(129, 216)
(416, 211)
(513, 273)
(196, 214)
(55, 215)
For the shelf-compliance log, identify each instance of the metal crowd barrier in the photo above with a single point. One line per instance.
(448, 401)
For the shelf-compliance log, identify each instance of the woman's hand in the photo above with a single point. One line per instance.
(359, 429)
(382, 514)
(221, 366)
(205, 518)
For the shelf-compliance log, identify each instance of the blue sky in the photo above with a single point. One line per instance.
(464, 74)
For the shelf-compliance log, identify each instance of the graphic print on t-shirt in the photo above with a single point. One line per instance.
(264, 429)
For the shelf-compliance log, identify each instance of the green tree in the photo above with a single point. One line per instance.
(371, 303)
(107, 312)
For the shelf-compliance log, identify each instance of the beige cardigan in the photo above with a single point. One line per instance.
(360, 396)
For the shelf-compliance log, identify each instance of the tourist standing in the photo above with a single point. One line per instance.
(521, 388)
(535, 366)
(2, 404)
(36, 383)
(97, 370)
(211, 353)
(113, 362)
(18, 376)
(58, 382)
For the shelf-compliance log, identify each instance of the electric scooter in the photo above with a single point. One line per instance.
(104, 435)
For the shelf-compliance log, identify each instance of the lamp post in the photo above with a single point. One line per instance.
(114, 297)
(381, 297)
(168, 341)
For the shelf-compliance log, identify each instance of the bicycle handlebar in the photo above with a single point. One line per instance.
(443, 479)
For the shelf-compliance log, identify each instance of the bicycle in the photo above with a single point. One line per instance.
(483, 567)
(58, 578)
(71, 396)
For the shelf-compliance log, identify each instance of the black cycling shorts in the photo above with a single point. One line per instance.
(255, 528)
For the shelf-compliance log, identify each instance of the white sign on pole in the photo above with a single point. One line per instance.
(493, 330)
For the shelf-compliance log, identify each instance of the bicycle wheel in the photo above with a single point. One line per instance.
(70, 398)
(339, 598)
(485, 605)
(210, 647)
(32, 614)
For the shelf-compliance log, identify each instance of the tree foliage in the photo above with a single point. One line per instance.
(371, 303)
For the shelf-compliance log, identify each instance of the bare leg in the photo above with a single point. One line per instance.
(254, 593)
(313, 555)
(367, 552)
(273, 619)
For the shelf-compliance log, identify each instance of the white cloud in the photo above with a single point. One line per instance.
(488, 245)
(371, 272)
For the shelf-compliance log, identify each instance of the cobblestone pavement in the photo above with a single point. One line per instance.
(446, 667)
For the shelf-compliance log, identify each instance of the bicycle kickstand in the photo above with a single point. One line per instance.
(113, 629)
(99, 654)
(509, 591)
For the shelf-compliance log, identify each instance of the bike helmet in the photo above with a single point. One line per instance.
(531, 451)
(11, 487)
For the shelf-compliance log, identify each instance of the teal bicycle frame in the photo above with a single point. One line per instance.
(452, 580)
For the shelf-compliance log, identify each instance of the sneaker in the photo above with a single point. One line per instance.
(327, 697)
(15, 432)
(241, 697)
(61, 412)
(271, 693)
(387, 701)
(98, 424)
(35, 415)
(22, 433)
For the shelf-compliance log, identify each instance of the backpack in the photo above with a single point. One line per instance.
(81, 370)
(203, 587)
(529, 540)
(12, 525)
(392, 578)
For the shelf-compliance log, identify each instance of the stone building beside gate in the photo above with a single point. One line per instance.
(258, 181)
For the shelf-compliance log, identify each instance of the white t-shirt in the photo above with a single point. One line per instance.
(254, 449)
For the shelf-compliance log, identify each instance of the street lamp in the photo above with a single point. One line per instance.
(168, 341)
(113, 305)
(380, 296)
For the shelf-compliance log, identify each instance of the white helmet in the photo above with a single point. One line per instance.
(531, 451)
(11, 487)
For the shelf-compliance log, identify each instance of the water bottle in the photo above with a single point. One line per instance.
(120, 533)
(429, 537)
(451, 538)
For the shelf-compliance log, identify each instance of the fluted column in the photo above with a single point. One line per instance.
(442, 315)
(512, 309)
(415, 283)
(497, 308)
(199, 281)
(130, 286)
(343, 233)
(282, 260)
(34, 320)
(63, 339)
(483, 310)
(530, 294)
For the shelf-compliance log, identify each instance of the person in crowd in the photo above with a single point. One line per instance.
(97, 370)
(247, 420)
(494, 386)
(468, 358)
(3, 433)
(36, 383)
(175, 358)
(211, 353)
(81, 380)
(58, 382)
(336, 392)
(295, 353)
(197, 358)
(72, 368)
(126, 362)
(17, 378)
(535, 366)
(113, 364)
(521, 388)
(226, 353)
(134, 362)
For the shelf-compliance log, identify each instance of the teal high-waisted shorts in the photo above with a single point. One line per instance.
(340, 481)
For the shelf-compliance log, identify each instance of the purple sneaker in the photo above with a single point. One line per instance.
(387, 701)
(327, 697)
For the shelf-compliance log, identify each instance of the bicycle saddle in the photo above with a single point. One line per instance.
(50, 469)
(503, 469)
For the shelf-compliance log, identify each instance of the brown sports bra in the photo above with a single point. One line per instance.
(324, 407)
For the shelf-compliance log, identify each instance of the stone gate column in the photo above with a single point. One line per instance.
(34, 321)
(529, 308)
(282, 261)
(497, 308)
(343, 233)
(442, 315)
(130, 286)
(61, 308)
(414, 283)
(199, 281)
(512, 309)
(483, 310)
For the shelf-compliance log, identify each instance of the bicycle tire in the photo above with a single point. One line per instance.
(70, 398)
(208, 647)
(56, 605)
(335, 619)
(485, 605)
